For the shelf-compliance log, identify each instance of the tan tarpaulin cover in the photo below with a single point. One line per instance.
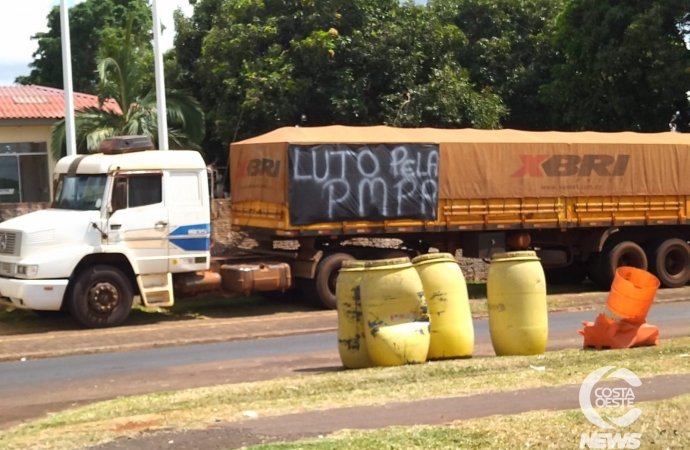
(247, 186)
(493, 163)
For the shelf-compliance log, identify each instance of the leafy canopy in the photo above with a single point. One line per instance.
(624, 65)
(257, 65)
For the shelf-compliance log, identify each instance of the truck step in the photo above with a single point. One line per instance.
(156, 289)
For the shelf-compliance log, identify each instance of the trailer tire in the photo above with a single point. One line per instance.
(575, 273)
(102, 297)
(626, 253)
(669, 261)
(322, 288)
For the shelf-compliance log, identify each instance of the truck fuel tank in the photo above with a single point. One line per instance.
(248, 277)
(189, 284)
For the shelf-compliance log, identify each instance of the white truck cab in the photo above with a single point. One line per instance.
(121, 223)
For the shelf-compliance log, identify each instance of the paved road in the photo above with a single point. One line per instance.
(31, 388)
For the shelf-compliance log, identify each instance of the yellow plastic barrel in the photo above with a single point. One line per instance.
(351, 345)
(516, 294)
(445, 290)
(632, 293)
(391, 292)
(395, 345)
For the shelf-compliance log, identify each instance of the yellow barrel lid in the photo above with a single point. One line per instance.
(353, 265)
(434, 257)
(523, 255)
(389, 263)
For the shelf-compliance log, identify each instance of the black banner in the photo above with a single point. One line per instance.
(341, 182)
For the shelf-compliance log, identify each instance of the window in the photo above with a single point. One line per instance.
(185, 189)
(79, 192)
(141, 190)
(24, 172)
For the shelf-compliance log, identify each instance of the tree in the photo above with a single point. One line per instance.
(260, 65)
(120, 76)
(93, 24)
(181, 69)
(625, 65)
(508, 49)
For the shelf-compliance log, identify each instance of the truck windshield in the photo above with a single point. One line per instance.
(80, 192)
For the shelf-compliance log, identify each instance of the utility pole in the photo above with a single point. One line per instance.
(160, 81)
(70, 135)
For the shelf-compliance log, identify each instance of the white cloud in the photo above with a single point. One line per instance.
(21, 19)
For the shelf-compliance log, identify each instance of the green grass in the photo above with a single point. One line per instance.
(197, 408)
(663, 425)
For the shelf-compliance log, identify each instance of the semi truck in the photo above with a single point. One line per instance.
(131, 224)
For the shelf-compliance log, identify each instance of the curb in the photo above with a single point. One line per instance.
(148, 345)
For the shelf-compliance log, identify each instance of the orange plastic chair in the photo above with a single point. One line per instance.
(606, 333)
(632, 293)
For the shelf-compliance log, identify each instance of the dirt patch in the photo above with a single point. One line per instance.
(133, 424)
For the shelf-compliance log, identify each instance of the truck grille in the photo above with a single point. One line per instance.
(8, 243)
(7, 269)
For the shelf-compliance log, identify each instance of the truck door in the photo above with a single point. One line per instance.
(190, 220)
(140, 218)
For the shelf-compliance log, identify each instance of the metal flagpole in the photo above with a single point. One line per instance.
(160, 81)
(67, 80)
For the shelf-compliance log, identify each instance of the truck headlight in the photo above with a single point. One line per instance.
(29, 271)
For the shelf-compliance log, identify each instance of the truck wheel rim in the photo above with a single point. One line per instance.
(629, 260)
(103, 298)
(675, 262)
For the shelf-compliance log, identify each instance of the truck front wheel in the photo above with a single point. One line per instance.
(102, 297)
(322, 287)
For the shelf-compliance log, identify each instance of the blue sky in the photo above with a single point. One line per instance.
(21, 19)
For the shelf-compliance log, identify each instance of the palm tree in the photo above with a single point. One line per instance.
(124, 109)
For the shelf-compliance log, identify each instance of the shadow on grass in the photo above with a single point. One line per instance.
(17, 321)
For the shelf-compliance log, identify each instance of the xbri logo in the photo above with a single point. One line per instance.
(610, 397)
(569, 165)
(258, 167)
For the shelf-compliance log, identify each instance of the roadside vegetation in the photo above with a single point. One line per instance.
(199, 408)
(663, 425)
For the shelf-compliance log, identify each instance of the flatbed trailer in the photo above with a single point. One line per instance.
(586, 202)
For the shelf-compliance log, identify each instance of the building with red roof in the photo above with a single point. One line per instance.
(27, 114)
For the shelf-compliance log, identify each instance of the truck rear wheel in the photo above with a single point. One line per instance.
(624, 254)
(102, 297)
(322, 287)
(669, 261)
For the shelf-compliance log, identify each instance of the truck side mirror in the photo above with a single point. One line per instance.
(119, 195)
